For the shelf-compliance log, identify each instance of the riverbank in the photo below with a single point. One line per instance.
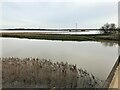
(63, 37)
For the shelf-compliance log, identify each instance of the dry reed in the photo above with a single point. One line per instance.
(42, 73)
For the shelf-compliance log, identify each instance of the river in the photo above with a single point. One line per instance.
(95, 57)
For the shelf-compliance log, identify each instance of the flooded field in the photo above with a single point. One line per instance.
(55, 32)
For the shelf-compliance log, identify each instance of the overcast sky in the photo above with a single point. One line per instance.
(58, 13)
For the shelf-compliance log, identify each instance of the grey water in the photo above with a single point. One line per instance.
(55, 32)
(97, 58)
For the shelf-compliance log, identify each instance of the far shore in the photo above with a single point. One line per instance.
(64, 37)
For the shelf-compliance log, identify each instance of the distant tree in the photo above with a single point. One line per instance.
(112, 26)
(108, 28)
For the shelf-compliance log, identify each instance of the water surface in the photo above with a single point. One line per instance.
(54, 32)
(96, 57)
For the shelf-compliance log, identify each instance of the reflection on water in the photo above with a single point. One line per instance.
(92, 56)
(108, 44)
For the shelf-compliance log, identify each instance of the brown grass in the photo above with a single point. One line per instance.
(42, 73)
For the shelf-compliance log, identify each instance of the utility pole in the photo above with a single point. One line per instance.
(76, 26)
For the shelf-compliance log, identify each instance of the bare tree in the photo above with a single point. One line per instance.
(112, 26)
(108, 28)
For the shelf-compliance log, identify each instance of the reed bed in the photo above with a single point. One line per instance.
(42, 73)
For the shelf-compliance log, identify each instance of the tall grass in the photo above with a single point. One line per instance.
(42, 73)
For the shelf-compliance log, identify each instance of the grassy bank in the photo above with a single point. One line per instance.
(63, 37)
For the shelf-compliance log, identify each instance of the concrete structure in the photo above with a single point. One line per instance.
(116, 79)
(115, 75)
(113, 80)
